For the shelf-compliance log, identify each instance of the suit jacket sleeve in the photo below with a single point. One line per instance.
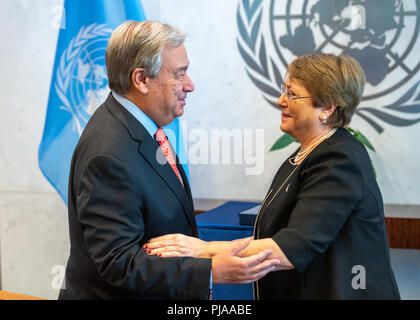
(109, 208)
(331, 186)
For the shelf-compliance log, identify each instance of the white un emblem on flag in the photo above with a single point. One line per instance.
(82, 83)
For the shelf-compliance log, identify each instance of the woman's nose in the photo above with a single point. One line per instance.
(281, 101)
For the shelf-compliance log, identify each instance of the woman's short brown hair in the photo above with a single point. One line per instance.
(331, 80)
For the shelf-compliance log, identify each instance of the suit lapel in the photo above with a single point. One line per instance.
(188, 192)
(184, 179)
(150, 150)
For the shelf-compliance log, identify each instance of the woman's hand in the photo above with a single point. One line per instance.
(177, 245)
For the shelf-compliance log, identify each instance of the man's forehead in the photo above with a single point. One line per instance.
(175, 57)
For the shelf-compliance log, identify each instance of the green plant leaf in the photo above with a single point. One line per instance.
(361, 138)
(365, 141)
(374, 170)
(351, 130)
(283, 142)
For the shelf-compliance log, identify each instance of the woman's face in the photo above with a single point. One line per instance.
(299, 118)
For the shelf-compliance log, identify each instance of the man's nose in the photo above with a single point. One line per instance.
(188, 84)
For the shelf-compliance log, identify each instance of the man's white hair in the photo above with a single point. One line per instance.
(136, 44)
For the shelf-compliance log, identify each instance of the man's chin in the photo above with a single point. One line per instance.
(179, 112)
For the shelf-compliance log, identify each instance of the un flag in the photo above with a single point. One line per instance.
(79, 82)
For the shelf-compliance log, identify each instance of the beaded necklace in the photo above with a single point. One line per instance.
(302, 154)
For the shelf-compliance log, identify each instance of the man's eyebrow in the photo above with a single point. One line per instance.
(175, 71)
(183, 68)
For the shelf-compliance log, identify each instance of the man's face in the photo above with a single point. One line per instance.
(168, 92)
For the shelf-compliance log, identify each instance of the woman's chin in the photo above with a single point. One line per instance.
(283, 128)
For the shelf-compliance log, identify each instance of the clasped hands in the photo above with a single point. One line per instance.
(239, 261)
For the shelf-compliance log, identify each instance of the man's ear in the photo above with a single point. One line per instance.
(139, 80)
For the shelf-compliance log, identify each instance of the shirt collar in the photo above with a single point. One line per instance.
(137, 113)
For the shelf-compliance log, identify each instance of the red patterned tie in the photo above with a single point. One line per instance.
(160, 137)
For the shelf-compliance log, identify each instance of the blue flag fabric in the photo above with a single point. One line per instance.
(79, 81)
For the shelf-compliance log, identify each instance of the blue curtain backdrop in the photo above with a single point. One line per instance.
(79, 83)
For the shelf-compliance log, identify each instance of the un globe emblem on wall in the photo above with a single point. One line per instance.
(82, 83)
(382, 35)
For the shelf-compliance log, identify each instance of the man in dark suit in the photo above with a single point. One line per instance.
(120, 193)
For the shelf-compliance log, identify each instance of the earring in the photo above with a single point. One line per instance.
(323, 119)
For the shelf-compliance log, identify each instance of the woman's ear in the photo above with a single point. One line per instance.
(139, 80)
(326, 112)
(329, 110)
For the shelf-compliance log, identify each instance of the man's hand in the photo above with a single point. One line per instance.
(228, 267)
